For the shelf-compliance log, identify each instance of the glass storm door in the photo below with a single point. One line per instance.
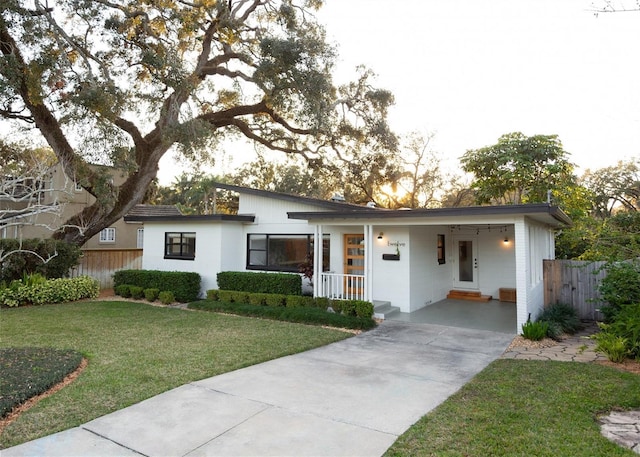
(354, 264)
(466, 271)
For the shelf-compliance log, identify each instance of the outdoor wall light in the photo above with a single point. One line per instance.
(380, 235)
(506, 240)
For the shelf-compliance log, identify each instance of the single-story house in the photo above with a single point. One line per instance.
(409, 258)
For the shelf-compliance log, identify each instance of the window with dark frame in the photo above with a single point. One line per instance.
(441, 250)
(180, 245)
(282, 252)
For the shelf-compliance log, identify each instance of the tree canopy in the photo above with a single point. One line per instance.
(519, 169)
(121, 82)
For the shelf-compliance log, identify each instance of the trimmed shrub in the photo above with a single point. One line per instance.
(123, 290)
(239, 296)
(185, 286)
(166, 297)
(275, 299)
(151, 294)
(137, 292)
(259, 299)
(363, 308)
(212, 294)
(225, 295)
(324, 303)
(298, 315)
(295, 301)
(268, 283)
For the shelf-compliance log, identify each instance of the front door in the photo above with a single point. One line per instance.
(466, 270)
(354, 265)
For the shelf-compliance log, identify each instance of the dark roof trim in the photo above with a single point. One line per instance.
(537, 208)
(296, 198)
(191, 218)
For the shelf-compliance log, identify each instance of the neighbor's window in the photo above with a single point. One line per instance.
(180, 245)
(108, 235)
(140, 238)
(440, 248)
(282, 252)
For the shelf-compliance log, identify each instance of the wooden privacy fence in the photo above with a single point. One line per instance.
(575, 283)
(102, 263)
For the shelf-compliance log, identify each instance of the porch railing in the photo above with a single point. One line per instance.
(342, 287)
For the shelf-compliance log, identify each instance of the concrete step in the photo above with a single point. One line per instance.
(471, 295)
(383, 309)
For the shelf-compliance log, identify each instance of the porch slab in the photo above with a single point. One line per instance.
(494, 315)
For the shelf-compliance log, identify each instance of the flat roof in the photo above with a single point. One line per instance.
(191, 218)
(549, 213)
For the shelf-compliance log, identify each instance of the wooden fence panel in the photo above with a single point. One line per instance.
(102, 263)
(575, 283)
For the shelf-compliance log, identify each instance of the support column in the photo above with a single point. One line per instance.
(368, 262)
(317, 259)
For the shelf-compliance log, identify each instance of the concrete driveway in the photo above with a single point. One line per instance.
(354, 397)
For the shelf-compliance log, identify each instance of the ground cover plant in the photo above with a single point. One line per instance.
(136, 351)
(27, 372)
(520, 407)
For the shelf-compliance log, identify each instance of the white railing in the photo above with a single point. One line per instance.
(342, 287)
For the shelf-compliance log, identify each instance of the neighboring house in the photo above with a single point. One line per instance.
(38, 214)
(410, 258)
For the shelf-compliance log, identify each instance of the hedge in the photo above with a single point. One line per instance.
(359, 308)
(269, 283)
(185, 286)
(297, 315)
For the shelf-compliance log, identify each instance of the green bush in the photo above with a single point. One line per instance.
(239, 296)
(151, 294)
(275, 299)
(613, 346)
(299, 315)
(166, 297)
(259, 299)
(268, 283)
(562, 318)
(63, 256)
(225, 295)
(535, 331)
(123, 290)
(620, 287)
(295, 301)
(184, 285)
(52, 291)
(137, 292)
(212, 294)
(625, 327)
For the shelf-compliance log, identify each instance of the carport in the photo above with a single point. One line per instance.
(493, 315)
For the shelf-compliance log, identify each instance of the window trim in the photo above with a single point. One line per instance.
(182, 255)
(294, 269)
(105, 238)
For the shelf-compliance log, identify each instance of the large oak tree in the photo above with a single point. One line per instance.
(122, 82)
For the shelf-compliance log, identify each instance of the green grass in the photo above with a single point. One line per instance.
(136, 351)
(525, 408)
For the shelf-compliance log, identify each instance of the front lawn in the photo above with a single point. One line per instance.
(525, 408)
(136, 351)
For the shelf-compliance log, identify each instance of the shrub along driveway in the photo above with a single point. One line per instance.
(354, 397)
